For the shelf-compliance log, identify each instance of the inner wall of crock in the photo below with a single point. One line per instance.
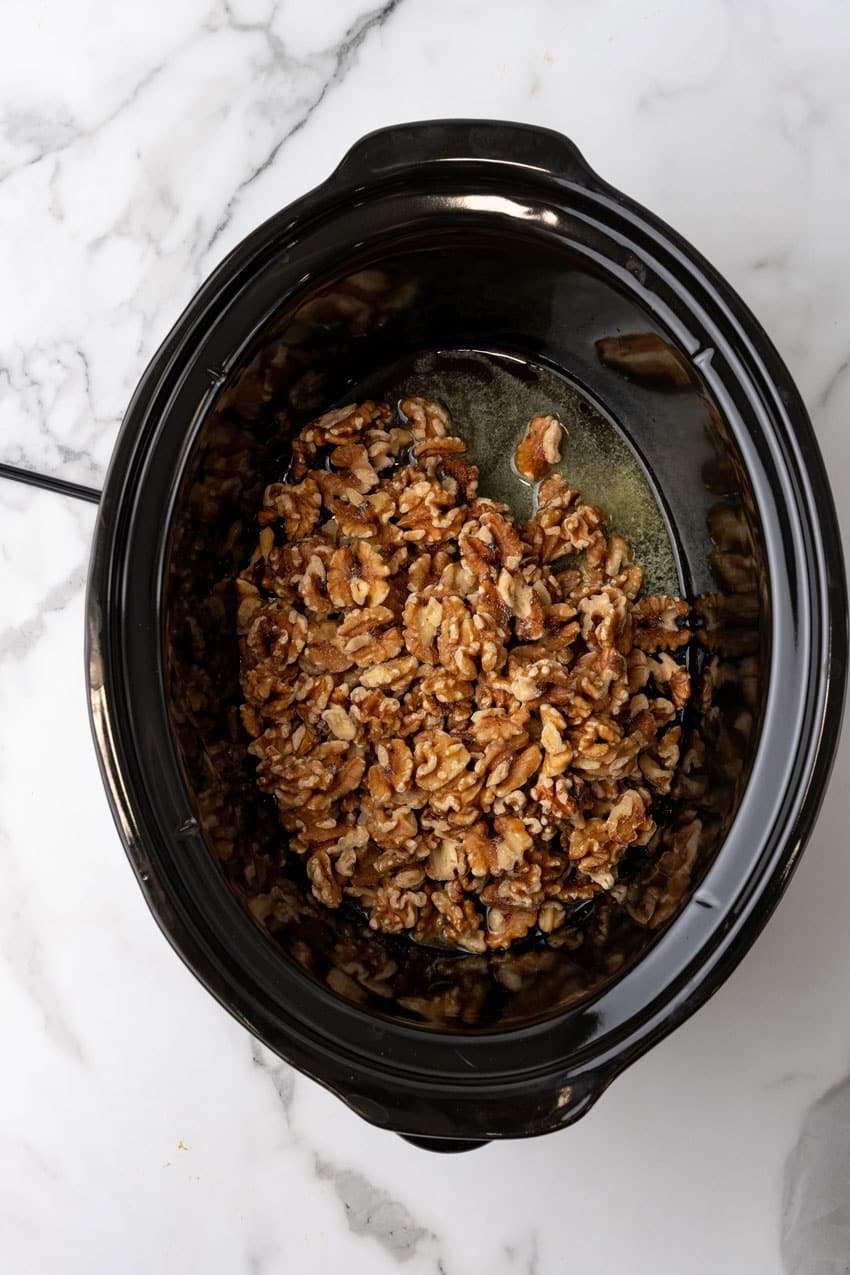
(346, 333)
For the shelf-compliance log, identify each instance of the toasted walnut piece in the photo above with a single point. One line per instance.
(357, 576)
(604, 616)
(457, 639)
(345, 424)
(392, 772)
(427, 569)
(395, 909)
(427, 514)
(465, 475)
(323, 655)
(249, 602)
(489, 542)
(599, 683)
(423, 615)
(298, 505)
(626, 816)
(339, 723)
(438, 449)
(444, 860)
(439, 759)
(558, 751)
(277, 632)
(313, 581)
(656, 624)
(550, 916)
(427, 419)
(523, 603)
(377, 712)
(462, 923)
(496, 849)
(666, 672)
(447, 689)
(394, 830)
(368, 636)
(384, 446)
(490, 725)
(393, 675)
(325, 887)
(506, 925)
(515, 771)
(353, 463)
(540, 448)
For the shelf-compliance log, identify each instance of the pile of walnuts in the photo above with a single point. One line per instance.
(465, 723)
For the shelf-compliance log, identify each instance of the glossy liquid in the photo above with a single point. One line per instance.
(492, 397)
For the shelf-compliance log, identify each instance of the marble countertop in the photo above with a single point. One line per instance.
(141, 1129)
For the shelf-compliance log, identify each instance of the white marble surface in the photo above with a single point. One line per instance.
(141, 1130)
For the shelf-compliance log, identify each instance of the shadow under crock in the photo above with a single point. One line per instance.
(543, 262)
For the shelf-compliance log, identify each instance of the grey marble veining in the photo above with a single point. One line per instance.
(141, 1129)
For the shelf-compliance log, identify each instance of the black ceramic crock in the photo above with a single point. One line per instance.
(463, 235)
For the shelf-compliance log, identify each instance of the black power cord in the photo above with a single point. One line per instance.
(48, 483)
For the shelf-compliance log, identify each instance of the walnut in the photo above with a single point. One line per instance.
(458, 736)
(339, 723)
(357, 576)
(297, 505)
(277, 632)
(369, 636)
(540, 448)
(385, 446)
(379, 713)
(498, 848)
(438, 449)
(604, 617)
(444, 860)
(313, 581)
(461, 921)
(394, 674)
(396, 909)
(514, 771)
(523, 603)
(393, 770)
(427, 420)
(427, 514)
(626, 821)
(325, 887)
(464, 475)
(506, 925)
(457, 640)
(423, 615)
(352, 462)
(439, 759)
(667, 673)
(656, 624)
(544, 530)
(558, 752)
(354, 513)
(489, 542)
(393, 830)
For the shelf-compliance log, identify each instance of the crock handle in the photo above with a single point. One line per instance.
(404, 146)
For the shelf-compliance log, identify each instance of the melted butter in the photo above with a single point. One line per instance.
(493, 397)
